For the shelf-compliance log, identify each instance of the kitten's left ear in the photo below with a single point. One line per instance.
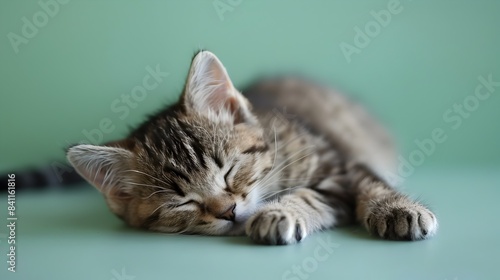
(209, 91)
(102, 166)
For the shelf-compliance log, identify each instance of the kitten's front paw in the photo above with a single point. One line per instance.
(275, 227)
(400, 219)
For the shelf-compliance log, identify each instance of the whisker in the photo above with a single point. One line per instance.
(146, 185)
(291, 140)
(275, 147)
(277, 192)
(275, 172)
(265, 185)
(153, 193)
(274, 160)
(302, 179)
(161, 205)
(292, 180)
(183, 231)
(140, 172)
(294, 154)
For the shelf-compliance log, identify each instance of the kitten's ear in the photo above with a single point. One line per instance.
(209, 91)
(102, 166)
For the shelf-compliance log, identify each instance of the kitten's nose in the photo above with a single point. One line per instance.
(228, 214)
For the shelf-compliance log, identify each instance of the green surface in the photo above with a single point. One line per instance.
(72, 235)
(65, 79)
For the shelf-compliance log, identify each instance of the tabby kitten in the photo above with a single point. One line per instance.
(303, 159)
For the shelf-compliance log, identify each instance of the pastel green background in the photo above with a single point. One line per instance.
(428, 57)
(90, 53)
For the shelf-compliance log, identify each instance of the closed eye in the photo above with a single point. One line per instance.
(226, 178)
(188, 202)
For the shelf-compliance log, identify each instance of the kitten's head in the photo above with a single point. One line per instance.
(197, 167)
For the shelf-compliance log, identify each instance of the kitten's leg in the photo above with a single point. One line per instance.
(387, 213)
(291, 218)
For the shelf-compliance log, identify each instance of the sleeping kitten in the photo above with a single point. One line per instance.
(287, 159)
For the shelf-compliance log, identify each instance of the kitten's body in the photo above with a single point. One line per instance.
(303, 159)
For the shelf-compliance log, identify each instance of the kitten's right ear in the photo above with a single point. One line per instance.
(102, 166)
(209, 91)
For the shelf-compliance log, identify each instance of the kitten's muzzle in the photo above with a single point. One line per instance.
(228, 214)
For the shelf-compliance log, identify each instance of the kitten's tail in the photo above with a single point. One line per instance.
(53, 176)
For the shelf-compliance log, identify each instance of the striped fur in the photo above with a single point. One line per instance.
(288, 159)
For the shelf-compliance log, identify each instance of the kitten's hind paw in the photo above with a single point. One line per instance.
(275, 227)
(400, 219)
